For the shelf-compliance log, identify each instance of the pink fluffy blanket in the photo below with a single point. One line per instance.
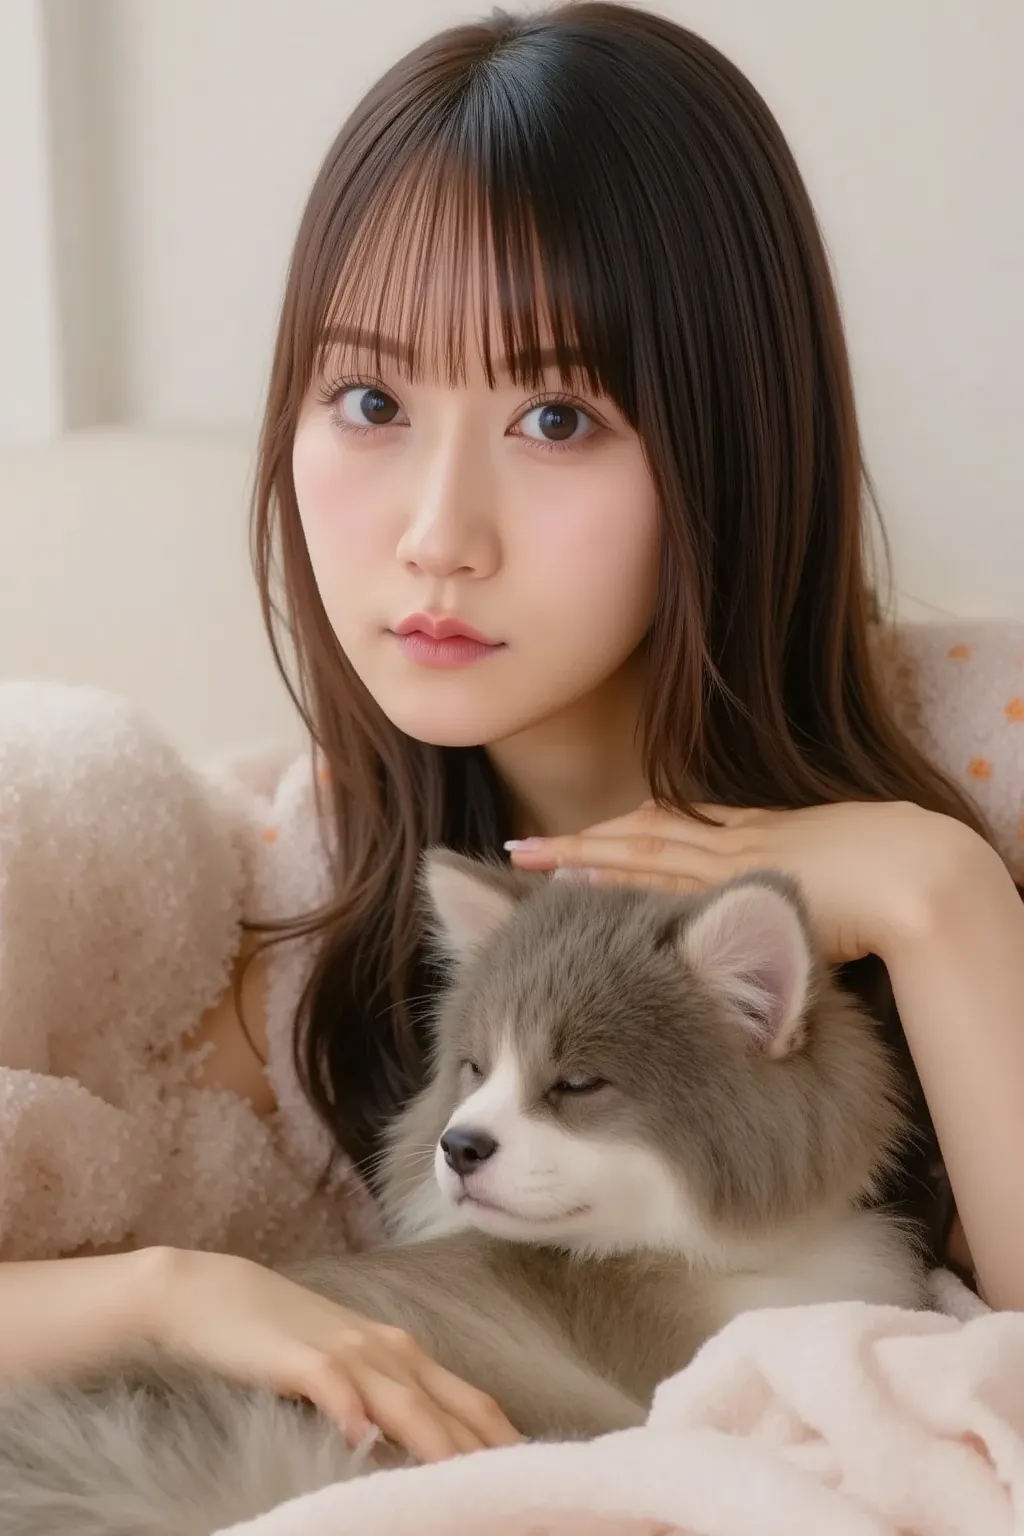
(844, 1420)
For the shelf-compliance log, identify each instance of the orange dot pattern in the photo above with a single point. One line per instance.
(1002, 773)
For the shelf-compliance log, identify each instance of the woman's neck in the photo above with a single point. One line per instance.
(581, 767)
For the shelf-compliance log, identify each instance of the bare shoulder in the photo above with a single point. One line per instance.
(235, 1063)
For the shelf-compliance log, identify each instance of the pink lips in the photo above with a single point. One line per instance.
(442, 642)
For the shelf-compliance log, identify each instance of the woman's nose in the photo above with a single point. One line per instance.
(452, 530)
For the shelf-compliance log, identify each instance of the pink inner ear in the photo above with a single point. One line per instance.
(749, 944)
(469, 908)
(764, 998)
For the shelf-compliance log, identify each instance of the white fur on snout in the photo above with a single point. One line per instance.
(531, 1175)
(588, 1194)
(494, 1108)
(554, 1185)
(557, 1186)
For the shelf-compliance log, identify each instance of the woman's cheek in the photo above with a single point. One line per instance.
(602, 548)
(318, 470)
(338, 510)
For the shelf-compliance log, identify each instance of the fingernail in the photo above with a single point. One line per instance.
(581, 876)
(360, 1431)
(523, 844)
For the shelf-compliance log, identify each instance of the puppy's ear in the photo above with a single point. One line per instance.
(468, 900)
(749, 941)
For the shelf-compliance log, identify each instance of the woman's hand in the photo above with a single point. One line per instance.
(936, 903)
(871, 873)
(259, 1328)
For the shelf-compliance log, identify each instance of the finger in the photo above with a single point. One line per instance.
(475, 1418)
(644, 853)
(329, 1387)
(465, 1440)
(479, 1413)
(648, 880)
(411, 1419)
(649, 835)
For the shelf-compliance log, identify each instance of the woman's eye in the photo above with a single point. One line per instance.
(556, 422)
(367, 406)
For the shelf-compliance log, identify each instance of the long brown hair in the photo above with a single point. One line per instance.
(620, 167)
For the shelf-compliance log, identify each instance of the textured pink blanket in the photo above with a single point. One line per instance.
(841, 1420)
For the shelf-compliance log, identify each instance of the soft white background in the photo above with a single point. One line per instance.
(154, 159)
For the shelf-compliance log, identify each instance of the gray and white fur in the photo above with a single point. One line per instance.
(645, 1114)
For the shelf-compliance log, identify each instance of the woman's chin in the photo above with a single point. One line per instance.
(434, 733)
(470, 721)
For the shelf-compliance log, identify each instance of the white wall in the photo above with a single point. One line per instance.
(186, 132)
(906, 115)
(30, 384)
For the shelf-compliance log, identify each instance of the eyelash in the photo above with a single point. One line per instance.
(577, 405)
(329, 394)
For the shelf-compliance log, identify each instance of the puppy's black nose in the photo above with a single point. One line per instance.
(464, 1151)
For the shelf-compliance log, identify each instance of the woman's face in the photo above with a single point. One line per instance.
(529, 519)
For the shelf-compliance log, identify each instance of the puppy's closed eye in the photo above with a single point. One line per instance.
(577, 1086)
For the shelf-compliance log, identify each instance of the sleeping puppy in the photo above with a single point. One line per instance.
(649, 1113)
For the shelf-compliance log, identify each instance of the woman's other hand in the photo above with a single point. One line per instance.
(259, 1328)
(871, 873)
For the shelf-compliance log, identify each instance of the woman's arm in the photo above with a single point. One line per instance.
(59, 1315)
(957, 969)
(248, 1324)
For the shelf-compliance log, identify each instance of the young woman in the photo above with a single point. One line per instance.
(559, 509)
